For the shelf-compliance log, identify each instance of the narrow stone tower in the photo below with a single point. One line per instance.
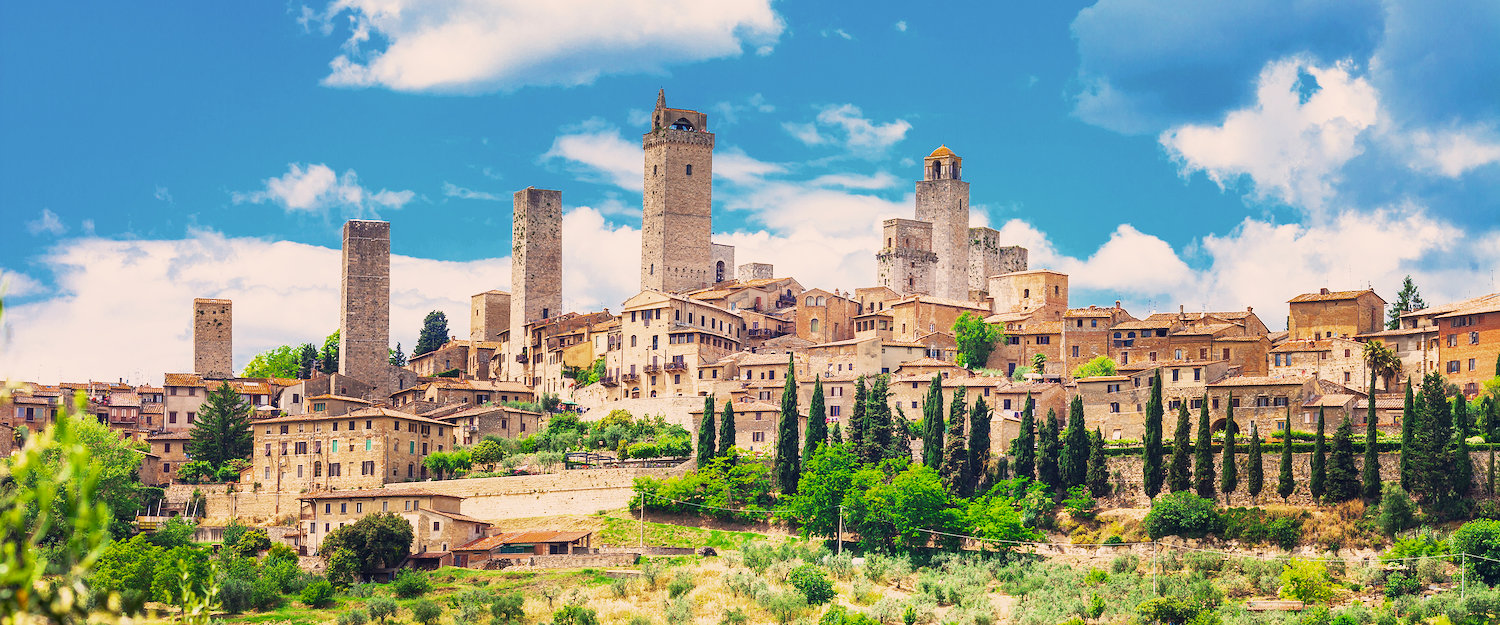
(943, 201)
(906, 263)
(365, 305)
(213, 338)
(535, 261)
(677, 203)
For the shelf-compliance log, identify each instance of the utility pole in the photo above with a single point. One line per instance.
(1463, 575)
(1155, 548)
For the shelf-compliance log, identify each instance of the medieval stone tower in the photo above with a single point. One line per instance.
(943, 201)
(213, 345)
(365, 305)
(677, 203)
(988, 258)
(907, 264)
(535, 261)
(489, 315)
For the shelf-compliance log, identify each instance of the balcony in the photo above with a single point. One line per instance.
(676, 366)
(609, 380)
(652, 368)
(764, 333)
(630, 378)
(785, 301)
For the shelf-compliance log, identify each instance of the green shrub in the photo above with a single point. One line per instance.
(681, 584)
(1256, 525)
(1306, 581)
(248, 542)
(282, 575)
(784, 606)
(1096, 606)
(1095, 577)
(1400, 584)
(318, 594)
(575, 615)
(236, 594)
(381, 608)
(362, 591)
(426, 612)
(1480, 538)
(280, 552)
(352, 617)
(1166, 610)
(509, 608)
(410, 584)
(734, 616)
(1396, 510)
(839, 615)
(1125, 563)
(813, 584)
(1182, 513)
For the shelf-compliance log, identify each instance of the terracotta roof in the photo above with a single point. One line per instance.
(938, 301)
(1008, 317)
(170, 436)
(926, 362)
(363, 493)
(903, 344)
(1104, 378)
(1251, 380)
(1331, 400)
(182, 379)
(1483, 300)
(1330, 296)
(1089, 312)
(1040, 327)
(1154, 322)
(361, 413)
(456, 516)
(1240, 339)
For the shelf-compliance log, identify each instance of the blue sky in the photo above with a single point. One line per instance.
(1164, 153)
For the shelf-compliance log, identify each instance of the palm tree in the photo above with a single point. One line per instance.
(1382, 361)
(1039, 362)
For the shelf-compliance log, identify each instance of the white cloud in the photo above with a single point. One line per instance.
(16, 284)
(728, 112)
(601, 261)
(1453, 152)
(163, 194)
(453, 190)
(48, 222)
(601, 150)
(837, 32)
(316, 188)
(847, 126)
(483, 45)
(1291, 146)
(872, 182)
(901, 26)
(735, 166)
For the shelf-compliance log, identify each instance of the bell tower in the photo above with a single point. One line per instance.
(677, 201)
(943, 201)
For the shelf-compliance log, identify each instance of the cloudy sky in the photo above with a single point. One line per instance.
(1162, 152)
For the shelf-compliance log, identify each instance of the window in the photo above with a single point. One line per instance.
(689, 172)
(1006, 404)
(335, 446)
(758, 437)
(1471, 364)
(268, 449)
(191, 416)
(1452, 340)
(1114, 407)
(1473, 338)
(367, 424)
(1176, 374)
(1075, 351)
(833, 411)
(435, 524)
(1453, 366)
(1044, 340)
(171, 416)
(343, 508)
(1177, 355)
(368, 444)
(167, 448)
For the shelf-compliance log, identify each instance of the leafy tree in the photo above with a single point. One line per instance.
(1371, 468)
(1319, 476)
(1023, 447)
(222, 431)
(1203, 454)
(956, 472)
(277, 362)
(125, 569)
(1047, 448)
(318, 594)
(1179, 476)
(817, 421)
(857, 423)
(810, 580)
(379, 540)
(328, 361)
(1284, 484)
(1343, 480)
(932, 425)
(488, 452)
(433, 335)
(307, 361)
(381, 608)
(1408, 436)
(996, 516)
(976, 339)
(901, 439)
(826, 478)
(1408, 299)
(1306, 581)
(877, 421)
(1480, 537)
(1151, 448)
(1255, 472)
(1098, 474)
(706, 431)
(726, 429)
(1075, 449)
(397, 357)
(1181, 514)
(788, 461)
(343, 568)
(1229, 474)
(428, 613)
(894, 513)
(1099, 366)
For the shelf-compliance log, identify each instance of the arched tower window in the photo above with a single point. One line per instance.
(682, 124)
(719, 272)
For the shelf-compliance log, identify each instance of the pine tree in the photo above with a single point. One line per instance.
(706, 432)
(817, 421)
(726, 429)
(901, 439)
(979, 443)
(788, 462)
(1151, 447)
(222, 430)
(1047, 452)
(1463, 463)
(1098, 474)
(1284, 484)
(1075, 454)
(1023, 447)
(955, 469)
(877, 421)
(856, 431)
(1371, 468)
(1343, 480)
(1407, 300)
(932, 425)
(1432, 465)
(1179, 476)
(307, 361)
(398, 357)
(1229, 474)
(1318, 478)
(1409, 420)
(434, 333)
(1203, 455)
(1254, 471)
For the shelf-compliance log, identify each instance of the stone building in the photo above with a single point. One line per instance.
(1469, 343)
(451, 356)
(1041, 293)
(665, 338)
(187, 392)
(907, 263)
(170, 451)
(363, 449)
(1327, 314)
(755, 271)
(677, 201)
(723, 263)
(435, 521)
(365, 306)
(489, 315)
(473, 424)
(445, 391)
(213, 334)
(987, 257)
(293, 398)
(1085, 334)
(536, 263)
(824, 316)
(1333, 358)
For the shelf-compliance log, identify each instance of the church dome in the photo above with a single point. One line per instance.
(941, 152)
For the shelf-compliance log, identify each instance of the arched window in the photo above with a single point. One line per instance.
(811, 301)
(1026, 293)
(719, 272)
(822, 301)
(682, 124)
(812, 326)
(632, 340)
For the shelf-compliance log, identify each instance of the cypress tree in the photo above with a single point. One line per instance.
(1151, 447)
(1319, 476)
(1098, 474)
(1023, 448)
(788, 461)
(857, 419)
(932, 425)
(1284, 485)
(1179, 475)
(1371, 475)
(706, 432)
(836, 435)
(1229, 474)
(1075, 454)
(901, 439)
(1490, 418)
(726, 428)
(1497, 366)
(1431, 463)
(1463, 463)
(955, 471)
(307, 361)
(1409, 421)
(1491, 487)
(1047, 452)
(1343, 481)
(1203, 452)
(817, 421)
(979, 443)
(878, 421)
(1254, 471)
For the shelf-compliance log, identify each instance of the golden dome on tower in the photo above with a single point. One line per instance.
(941, 152)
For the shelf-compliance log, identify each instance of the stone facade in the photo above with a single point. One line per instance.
(723, 263)
(988, 258)
(365, 305)
(489, 315)
(1039, 292)
(363, 449)
(756, 271)
(824, 317)
(677, 203)
(943, 200)
(213, 346)
(907, 264)
(536, 261)
(1328, 314)
(436, 523)
(666, 338)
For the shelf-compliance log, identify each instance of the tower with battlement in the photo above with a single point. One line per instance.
(987, 258)
(213, 338)
(677, 202)
(907, 264)
(943, 201)
(365, 306)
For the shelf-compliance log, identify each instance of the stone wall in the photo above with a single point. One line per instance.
(673, 409)
(365, 305)
(213, 333)
(576, 561)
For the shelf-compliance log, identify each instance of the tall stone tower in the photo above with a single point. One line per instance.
(365, 305)
(907, 264)
(213, 334)
(943, 201)
(988, 258)
(535, 261)
(489, 315)
(677, 203)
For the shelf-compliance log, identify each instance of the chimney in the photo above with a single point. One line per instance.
(1323, 291)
